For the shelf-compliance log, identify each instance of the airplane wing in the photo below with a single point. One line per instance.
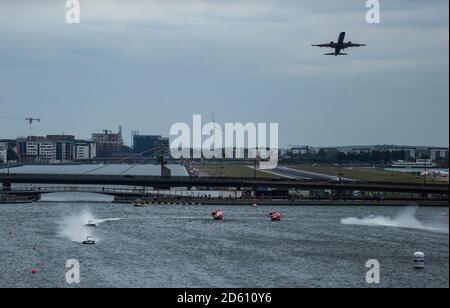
(350, 44)
(329, 45)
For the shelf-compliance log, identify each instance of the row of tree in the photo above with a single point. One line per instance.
(373, 157)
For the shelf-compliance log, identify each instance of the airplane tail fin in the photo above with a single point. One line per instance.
(336, 54)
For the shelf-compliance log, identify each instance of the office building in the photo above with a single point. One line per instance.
(151, 145)
(85, 150)
(108, 143)
(54, 149)
(439, 154)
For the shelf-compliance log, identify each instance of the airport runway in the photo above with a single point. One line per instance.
(296, 174)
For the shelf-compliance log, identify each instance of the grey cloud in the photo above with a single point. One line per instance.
(147, 64)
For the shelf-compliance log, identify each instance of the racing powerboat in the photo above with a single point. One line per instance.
(275, 216)
(217, 215)
(88, 241)
(141, 203)
(91, 223)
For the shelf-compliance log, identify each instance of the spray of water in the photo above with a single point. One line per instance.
(404, 219)
(73, 227)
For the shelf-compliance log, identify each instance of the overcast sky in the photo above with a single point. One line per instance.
(147, 64)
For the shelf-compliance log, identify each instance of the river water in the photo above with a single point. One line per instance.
(181, 246)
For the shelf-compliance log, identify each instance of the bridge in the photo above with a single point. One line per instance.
(111, 191)
(157, 182)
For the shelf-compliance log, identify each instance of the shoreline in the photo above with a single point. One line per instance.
(167, 200)
(348, 203)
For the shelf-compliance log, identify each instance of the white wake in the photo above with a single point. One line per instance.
(73, 227)
(404, 219)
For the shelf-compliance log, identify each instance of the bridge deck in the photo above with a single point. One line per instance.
(214, 182)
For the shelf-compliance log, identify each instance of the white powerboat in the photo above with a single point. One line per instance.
(91, 223)
(88, 241)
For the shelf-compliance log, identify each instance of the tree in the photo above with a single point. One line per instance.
(322, 155)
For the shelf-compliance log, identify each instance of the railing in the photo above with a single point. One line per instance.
(55, 189)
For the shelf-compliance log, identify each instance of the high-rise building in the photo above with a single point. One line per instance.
(108, 143)
(36, 149)
(63, 146)
(439, 154)
(147, 145)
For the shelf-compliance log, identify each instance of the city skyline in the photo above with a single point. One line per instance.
(147, 65)
(128, 139)
(129, 143)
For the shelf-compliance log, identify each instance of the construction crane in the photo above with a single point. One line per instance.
(30, 121)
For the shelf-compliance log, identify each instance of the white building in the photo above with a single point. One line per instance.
(85, 150)
(32, 148)
(419, 163)
(55, 149)
(3, 155)
(411, 151)
(438, 154)
(47, 149)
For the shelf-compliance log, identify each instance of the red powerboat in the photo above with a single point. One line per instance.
(275, 216)
(217, 215)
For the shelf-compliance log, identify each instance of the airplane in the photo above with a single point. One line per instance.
(339, 46)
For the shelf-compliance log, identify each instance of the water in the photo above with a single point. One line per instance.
(180, 246)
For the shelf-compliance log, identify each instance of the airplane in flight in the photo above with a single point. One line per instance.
(339, 46)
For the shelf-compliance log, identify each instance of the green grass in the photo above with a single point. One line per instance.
(365, 174)
(358, 173)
